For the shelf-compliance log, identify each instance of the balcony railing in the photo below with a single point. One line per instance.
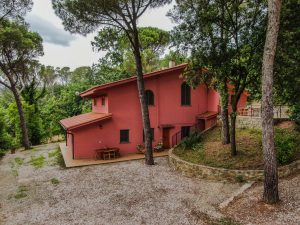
(279, 111)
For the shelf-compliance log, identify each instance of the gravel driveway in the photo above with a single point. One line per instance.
(121, 193)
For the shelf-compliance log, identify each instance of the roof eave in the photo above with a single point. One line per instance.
(86, 123)
(91, 91)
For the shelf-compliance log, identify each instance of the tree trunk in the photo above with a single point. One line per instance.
(25, 138)
(144, 107)
(225, 126)
(232, 133)
(224, 114)
(270, 194)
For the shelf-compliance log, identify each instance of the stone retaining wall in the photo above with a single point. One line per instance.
(248, 122)
(212, 173)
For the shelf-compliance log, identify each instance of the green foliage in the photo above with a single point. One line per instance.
(54, 181)
(21, 193)
(119, 57)
(287, 68)
(14, 9)
(226, 41)
(286, 145)
(2, 153)
(56, 154)
(174, 56)
(19, 161)
(6, 139)
(38, 161)
(190, 141)
(34, 123)
(240, 179)
(295, 114)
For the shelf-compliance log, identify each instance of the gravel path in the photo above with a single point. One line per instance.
(249, 208)
(121, 193)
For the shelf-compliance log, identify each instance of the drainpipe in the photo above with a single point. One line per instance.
(73, 147)
(68, 132)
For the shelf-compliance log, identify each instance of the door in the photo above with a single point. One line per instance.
(201, 125)
(166, 138)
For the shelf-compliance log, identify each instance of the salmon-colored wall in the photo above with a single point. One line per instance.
(123, 102)
(99, 107)
(213, 101)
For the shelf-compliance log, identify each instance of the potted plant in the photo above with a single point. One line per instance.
(158, 147)
(140, 148)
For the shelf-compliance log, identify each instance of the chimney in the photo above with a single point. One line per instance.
(172, 64)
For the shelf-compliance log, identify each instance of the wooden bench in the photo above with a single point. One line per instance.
(107, 153)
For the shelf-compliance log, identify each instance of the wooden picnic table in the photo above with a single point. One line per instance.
(107, 153)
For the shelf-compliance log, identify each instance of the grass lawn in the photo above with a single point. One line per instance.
(210, 151)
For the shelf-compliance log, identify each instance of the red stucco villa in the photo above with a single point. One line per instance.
(115, 120)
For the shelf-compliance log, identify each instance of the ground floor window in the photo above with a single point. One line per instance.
(185, 131)
(124, 136)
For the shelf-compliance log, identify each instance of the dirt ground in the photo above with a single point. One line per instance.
(249, 209)
(35, 190)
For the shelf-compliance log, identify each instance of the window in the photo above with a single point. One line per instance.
(151, 134)
(95, 102)
(185, 131)
(149, 97)
(124, 136)
(103, 101)
(185, 94)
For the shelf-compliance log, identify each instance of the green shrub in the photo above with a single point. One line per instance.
(240, 179)
(285, 144)
(190, 141)
(2, 153)
(295, 114)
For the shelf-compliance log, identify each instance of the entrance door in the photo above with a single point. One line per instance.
(166, 138)
(201, 124)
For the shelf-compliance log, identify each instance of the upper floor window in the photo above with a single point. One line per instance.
(149, 97)
(95, 102)
(185, 94)
(103, 101)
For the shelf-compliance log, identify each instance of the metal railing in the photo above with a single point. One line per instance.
(178, 137)
(279, 111)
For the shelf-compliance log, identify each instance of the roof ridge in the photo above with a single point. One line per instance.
(146, 75)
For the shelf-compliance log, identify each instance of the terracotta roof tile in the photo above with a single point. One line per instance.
(84, 119)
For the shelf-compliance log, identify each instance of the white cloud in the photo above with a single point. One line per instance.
(63, 49)
(49, 32)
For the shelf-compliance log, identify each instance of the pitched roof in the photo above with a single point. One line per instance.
(93, 90)
(83, 120)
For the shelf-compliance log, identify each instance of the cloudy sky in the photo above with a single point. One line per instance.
(63, 49)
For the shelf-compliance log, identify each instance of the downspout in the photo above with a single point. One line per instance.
(68, 132)
(73, 147)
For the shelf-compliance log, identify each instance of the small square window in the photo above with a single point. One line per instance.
(124, 136)
(103, 101)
